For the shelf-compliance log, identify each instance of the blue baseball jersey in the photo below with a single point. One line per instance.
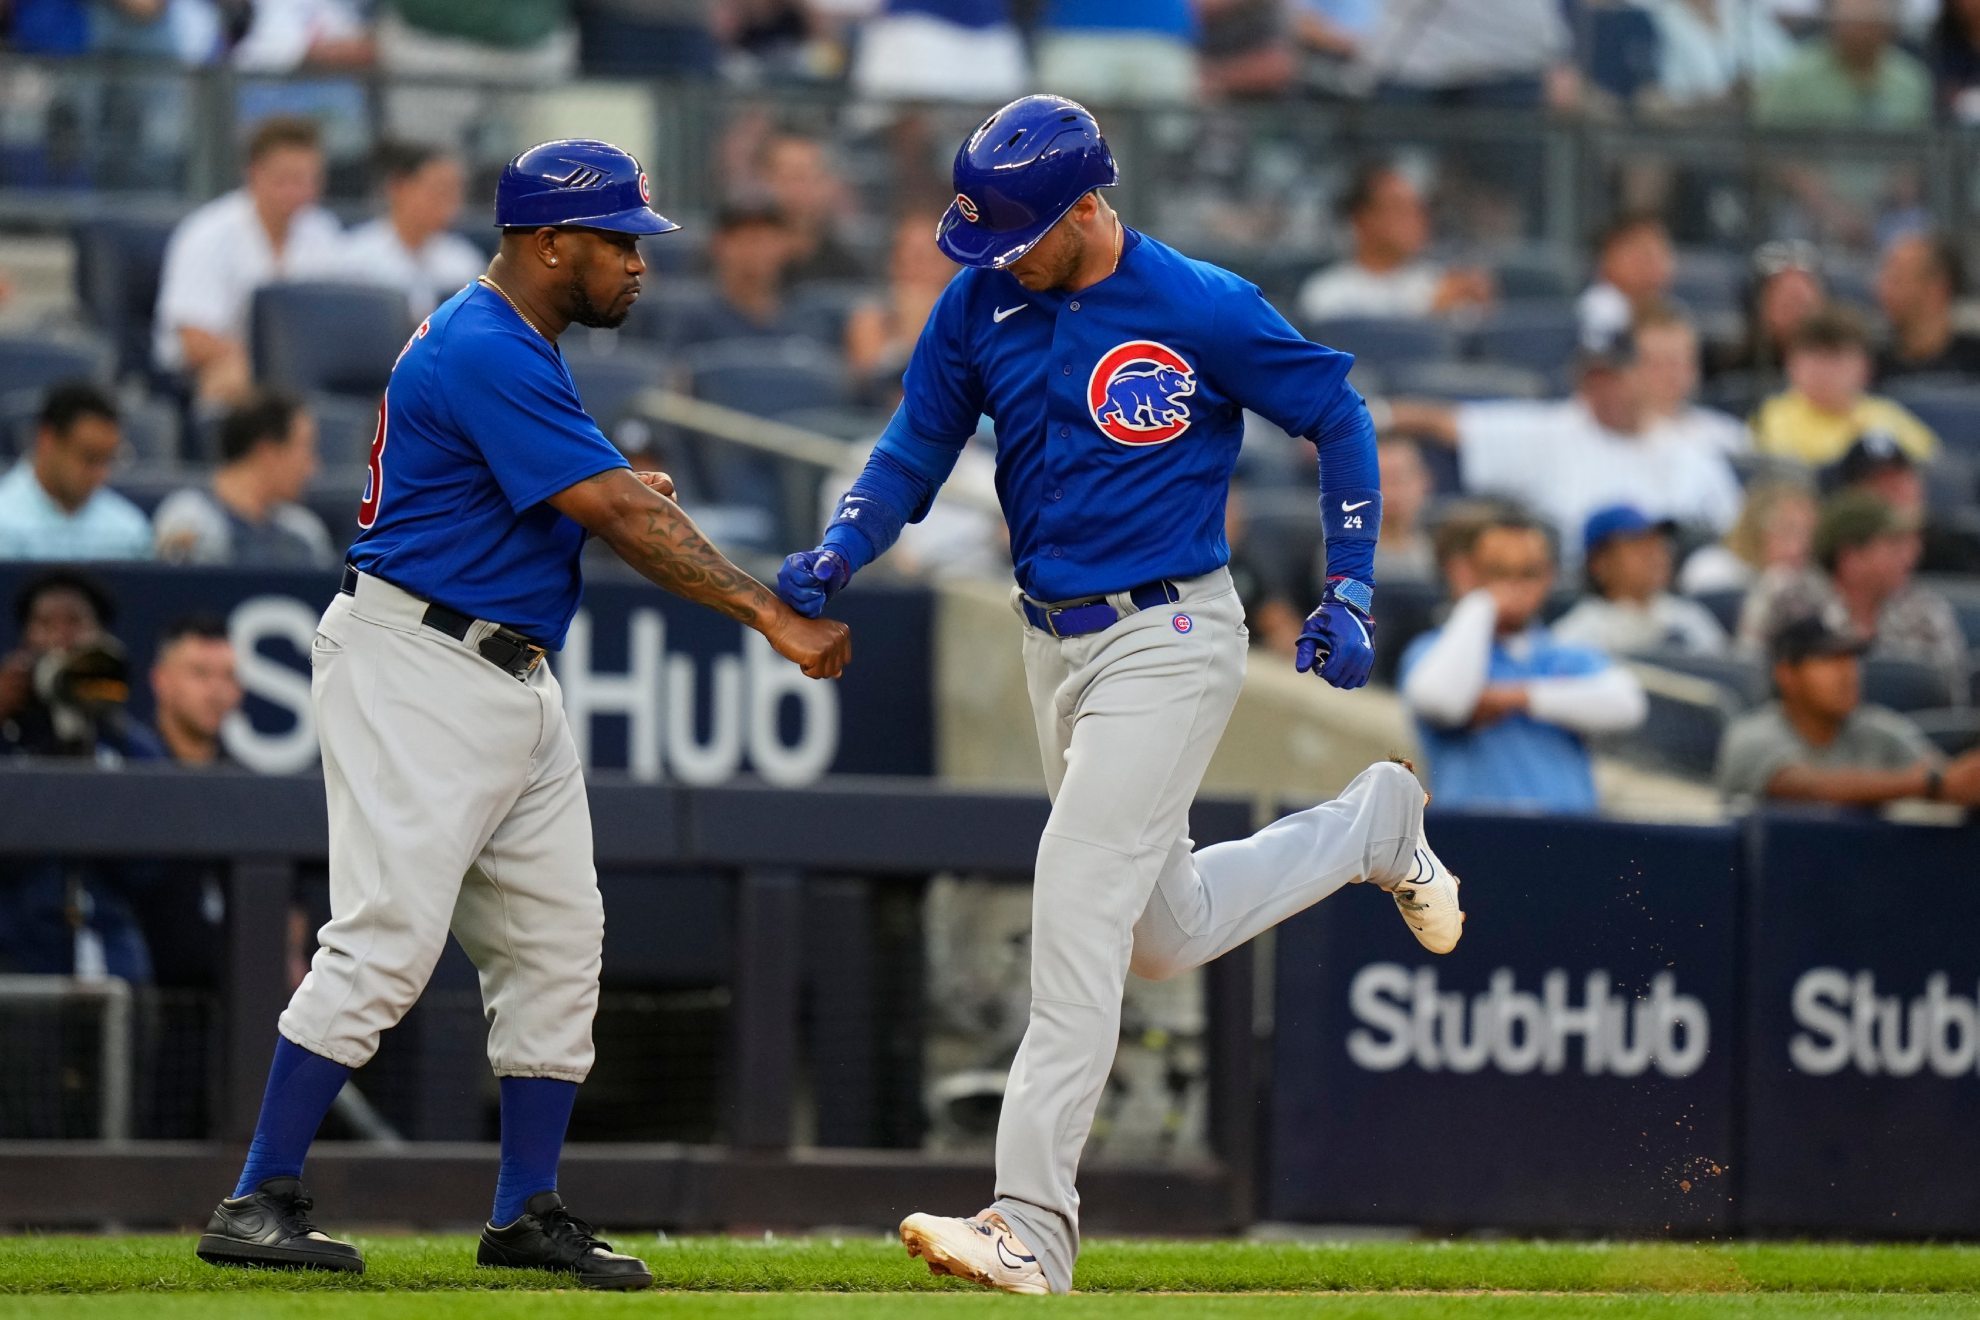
(480, 425)
(1517, 761)
(1119, 411)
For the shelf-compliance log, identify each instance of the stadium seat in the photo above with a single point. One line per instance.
(853, 425)
(1953, 729)
(667, 313)
(33, 362)
(1386, 342)
(1745, 681)
(1534, 275)
(1540, 335)
(1465, 382)
(117, 268)
(1953, 411)
(345, 428)
(1709, 282)
(1406, 611)
(1621, 46)
(767, 377)
(325, 338)
(1725, 606)
(1688, 717)
(1904, 685)
(819, 310)
(610, 373)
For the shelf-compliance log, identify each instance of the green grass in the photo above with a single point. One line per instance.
(158, 1278)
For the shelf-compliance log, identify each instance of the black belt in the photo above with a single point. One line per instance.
(1078, 618)
(505, 648)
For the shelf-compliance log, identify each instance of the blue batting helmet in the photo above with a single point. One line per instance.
(580, 182)
(1018, 174)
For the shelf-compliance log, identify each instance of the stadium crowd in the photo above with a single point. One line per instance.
(1665, 482)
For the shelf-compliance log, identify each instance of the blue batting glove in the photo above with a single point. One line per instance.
(809, 578)
(1338, 642)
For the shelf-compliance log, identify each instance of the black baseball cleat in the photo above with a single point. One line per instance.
(546, 1236)
(270, 1226)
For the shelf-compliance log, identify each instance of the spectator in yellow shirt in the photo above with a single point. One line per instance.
(1826, 407)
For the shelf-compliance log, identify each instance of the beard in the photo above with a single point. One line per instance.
(586, 312)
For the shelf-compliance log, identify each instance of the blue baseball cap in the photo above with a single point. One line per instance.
(1606, 524)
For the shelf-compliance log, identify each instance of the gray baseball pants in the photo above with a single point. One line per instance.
(1127, 721)
(456, 802)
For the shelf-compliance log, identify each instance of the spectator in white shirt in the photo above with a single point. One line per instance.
(1569, 458)
(1630, 608)
(284, 35)
(412, 246)
(268, 230)
(1667, 348)
(55, 503)
(250, 516)
(1634, 267)
(1708, 49)
(1388, 275)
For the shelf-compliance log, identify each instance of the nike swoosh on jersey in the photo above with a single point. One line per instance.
(1350, 508)
(1002, 312)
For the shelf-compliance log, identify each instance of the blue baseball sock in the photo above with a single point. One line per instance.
(535, 1113)
(301, 1088)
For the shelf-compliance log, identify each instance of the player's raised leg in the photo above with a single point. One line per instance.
(530, 917)
(1210, 901)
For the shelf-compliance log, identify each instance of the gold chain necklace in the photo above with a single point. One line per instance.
(513, 305)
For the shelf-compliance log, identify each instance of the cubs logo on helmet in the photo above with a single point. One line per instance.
(1136, 393)
(966, 208)
(645, 192)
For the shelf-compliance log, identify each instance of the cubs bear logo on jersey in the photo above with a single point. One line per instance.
(1136, 393)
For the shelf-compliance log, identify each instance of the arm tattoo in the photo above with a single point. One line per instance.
(667, 548)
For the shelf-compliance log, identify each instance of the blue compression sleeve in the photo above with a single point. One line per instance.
(1350, 488)
(536, 1112)
(896, 487)
(301, 1088)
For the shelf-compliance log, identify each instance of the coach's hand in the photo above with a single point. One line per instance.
(822, 648)
(809, 578)
(1338, 642)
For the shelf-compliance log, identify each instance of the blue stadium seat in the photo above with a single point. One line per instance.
(1620, 46)
(770, 378)
(819, 310)
(1534, 275)
(1745, 681)
(1952, 730)
(325, 338)
(345, 427)
(666, 313)
(1953, 411)
(1724, 605)
(1709, 281)
(1386, 342)
(611, 373)
(1904, 685)
(117, 268)
(1540, 335)
(1465, 382)
(767, 377)
(32, 362)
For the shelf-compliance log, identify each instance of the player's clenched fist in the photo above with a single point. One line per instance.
(809, 578)
(1338, 641)
(822, 648)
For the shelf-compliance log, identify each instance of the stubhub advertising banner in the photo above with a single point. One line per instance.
(1863, 1065)
(654, 685)
(1570, 1066)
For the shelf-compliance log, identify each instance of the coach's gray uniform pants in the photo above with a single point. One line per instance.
(1127, 720)
(456, 802)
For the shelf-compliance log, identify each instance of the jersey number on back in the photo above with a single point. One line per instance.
(374, 480)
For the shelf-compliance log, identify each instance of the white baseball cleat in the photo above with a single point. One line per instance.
(1428, 901)
(982, 1249)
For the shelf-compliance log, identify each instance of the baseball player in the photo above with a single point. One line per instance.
(456, 801)
(1117, 371)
